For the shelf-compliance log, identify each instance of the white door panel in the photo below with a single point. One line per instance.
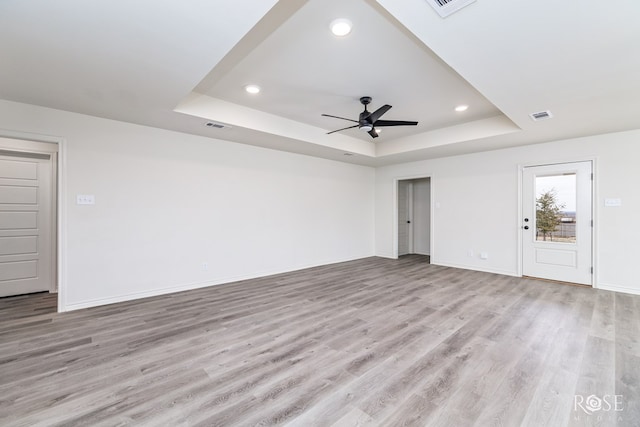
(19, 270)
(18, 195)
(18, 245)
(403, 218)
(12, 169)
(421, 218)
(557, 222)
(25, 225)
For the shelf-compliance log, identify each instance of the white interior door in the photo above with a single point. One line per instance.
(421, 219)
(557, 222)
(405, 233)
(25, 224)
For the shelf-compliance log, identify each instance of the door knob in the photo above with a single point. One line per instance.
(408, 222)
(526, 227)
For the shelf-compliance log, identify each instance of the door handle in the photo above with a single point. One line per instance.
(526, 227)
(408, 222)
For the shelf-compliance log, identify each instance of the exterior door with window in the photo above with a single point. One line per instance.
(557, 222)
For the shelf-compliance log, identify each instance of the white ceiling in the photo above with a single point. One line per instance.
(176, 65)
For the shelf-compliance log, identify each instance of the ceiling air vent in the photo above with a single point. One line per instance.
(216, 125)
(541, 115)
(447, 7)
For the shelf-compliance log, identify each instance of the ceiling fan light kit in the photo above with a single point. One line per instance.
(369, 121)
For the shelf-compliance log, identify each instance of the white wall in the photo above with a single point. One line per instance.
(168, 202)
(477, 196)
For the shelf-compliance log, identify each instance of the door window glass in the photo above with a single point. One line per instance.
(556, 208)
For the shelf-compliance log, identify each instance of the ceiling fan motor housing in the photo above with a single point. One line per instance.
(363, 122)
(368, 120)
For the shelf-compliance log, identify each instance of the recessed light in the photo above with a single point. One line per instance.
(461, 108)
(341, 27)
(253, 89)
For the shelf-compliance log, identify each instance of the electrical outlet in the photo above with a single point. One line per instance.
(484, 255)
(205, 266)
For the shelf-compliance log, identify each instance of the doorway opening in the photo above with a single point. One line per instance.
(28, 218)
(414, 217)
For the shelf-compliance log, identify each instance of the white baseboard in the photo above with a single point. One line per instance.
(475, 268)
(395, 257)
(192, 286)
(616, 288)
(138, 295)
(386, 256)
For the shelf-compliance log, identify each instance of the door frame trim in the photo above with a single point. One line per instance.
(396, 180)
(594, 210)
(32, 142)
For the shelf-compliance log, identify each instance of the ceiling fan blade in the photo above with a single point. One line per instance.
(373, 117)
(393, 123)
(373, 133)
(350, 127)
(336, 117)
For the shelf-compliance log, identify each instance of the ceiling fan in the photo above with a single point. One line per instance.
(368, 121)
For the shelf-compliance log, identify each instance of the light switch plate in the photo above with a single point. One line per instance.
(612, 202)
(85, 199)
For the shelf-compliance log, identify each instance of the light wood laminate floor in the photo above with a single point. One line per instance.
(368, 342)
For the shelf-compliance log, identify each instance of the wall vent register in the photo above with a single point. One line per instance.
(216, 125)
(541, 115)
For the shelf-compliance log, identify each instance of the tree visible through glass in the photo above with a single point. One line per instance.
(556, 218)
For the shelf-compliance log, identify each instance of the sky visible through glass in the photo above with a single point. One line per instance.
(565, 186)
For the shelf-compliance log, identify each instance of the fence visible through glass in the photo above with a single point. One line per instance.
(556, 208)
